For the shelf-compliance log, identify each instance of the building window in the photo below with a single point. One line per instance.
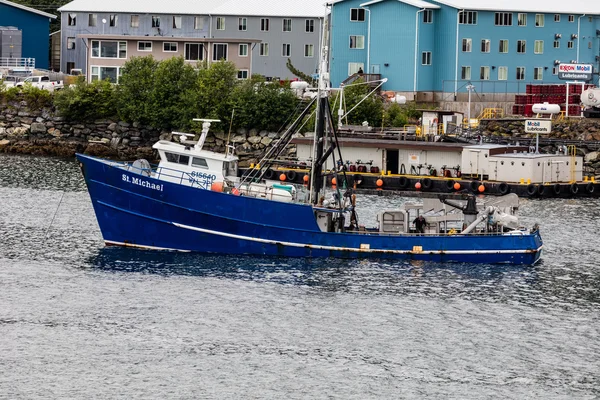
(155, 21)
(357, 14)
(570, 44)
(521, 46)
(194, 52)
(71, 43)
(144, 46)
(92, 19)
(135, 21)
(243, 50)
(503, 19)
(176, 22)
(198, 23)
(502, 73)
(538, 73)
(108, 49)
(286, 50)
(555, 71)
(264, 49)
(220, 23)
(571, 18)
(309, 50)
(465, 73)
(426, 58)
(485, 45)
(357, 42)
(522, 19)
(520, 73)
(484, 73)
(287, 25)
(72, 21)
(310, 25)
(589, 45)
(242, 74)
(102, 73)
(538, 47)
(354, 67)
(170, 47)
(113, 20)
(556, 17)
(264, 24)
(242, 22)
(428, 16)
(503, 48)
(556, 44)
(466, 45)
(467, 17)
(539, 20)
(219, 51)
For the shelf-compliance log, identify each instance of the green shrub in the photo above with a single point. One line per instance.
(36, 98)
(9, 94)
(87, 101)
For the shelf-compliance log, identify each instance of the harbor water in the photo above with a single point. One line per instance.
(81, 321)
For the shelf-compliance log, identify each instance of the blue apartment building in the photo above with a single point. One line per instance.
(443, 46)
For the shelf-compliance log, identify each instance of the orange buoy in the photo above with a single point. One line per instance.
(305, 178)
(282, 177)
(235, 191)
(216, 186)
(456, 186)
(379, 182)
(418, 185)
(333, 181)
(481, 188)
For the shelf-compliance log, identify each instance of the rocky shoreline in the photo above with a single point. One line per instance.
(43, 132)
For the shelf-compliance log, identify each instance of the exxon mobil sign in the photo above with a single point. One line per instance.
(580, 72)
(538, 126)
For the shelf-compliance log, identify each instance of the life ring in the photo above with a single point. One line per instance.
(427, 183)
(574, 188)
(269, 174)
(531, 189)
(590, 188)
(503, 188)
(541, 189)
(291, 175)
(450, 185)
(474, 185)
(556, 188)
(403, 182)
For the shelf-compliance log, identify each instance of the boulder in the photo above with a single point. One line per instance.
(591, 157)
(38, 127)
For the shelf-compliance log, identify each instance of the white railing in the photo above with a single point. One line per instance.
(25, 63)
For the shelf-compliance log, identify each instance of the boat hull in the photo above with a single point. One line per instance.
(139, 211)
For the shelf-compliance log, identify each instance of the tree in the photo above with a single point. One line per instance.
(86, 101)
(370, 110)
(135, 89)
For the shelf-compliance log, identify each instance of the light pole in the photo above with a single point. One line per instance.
(470, 89)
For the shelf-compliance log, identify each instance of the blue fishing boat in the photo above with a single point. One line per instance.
(193, 200)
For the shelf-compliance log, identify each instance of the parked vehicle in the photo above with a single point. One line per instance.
(10, 80)
(42, 82)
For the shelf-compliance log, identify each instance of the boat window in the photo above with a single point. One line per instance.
(199, 162)
(177, 158)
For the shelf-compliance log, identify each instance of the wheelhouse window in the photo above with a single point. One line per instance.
(219, 51)
(199, 162)
(357, 14)
(109, 49)
(177, 158)
(194, 52)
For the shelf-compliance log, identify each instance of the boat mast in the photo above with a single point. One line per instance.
(317, 178)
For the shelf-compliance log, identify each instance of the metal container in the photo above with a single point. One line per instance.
(11, 42)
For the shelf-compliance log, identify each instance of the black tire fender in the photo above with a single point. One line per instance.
(590, 187)
(269, 174)
(503, 188)
(531, 189)
(450, 185)
(403, 182)
(574, 188)
(556, 188)
(427, 183)
(291, 175)
(474, 185)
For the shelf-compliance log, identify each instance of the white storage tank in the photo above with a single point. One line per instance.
(545, 108)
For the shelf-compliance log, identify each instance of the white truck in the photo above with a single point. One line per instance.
(42, 82)
(590, 98)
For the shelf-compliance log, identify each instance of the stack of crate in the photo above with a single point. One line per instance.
(552, 94)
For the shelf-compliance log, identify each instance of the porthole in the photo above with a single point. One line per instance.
(512, 163)
(501, 162)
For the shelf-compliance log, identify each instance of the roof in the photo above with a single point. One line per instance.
(32, 10)
(548, 6)
(264, 8)
(415, 3)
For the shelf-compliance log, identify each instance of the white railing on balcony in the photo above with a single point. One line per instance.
(20, 63)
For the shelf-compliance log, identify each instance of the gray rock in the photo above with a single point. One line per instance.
(112, 127)
(266, 141)
(124, 124)
(238, 139)
(38, 127)
(254, 139)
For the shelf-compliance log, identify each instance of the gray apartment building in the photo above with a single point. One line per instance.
(259, 36)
